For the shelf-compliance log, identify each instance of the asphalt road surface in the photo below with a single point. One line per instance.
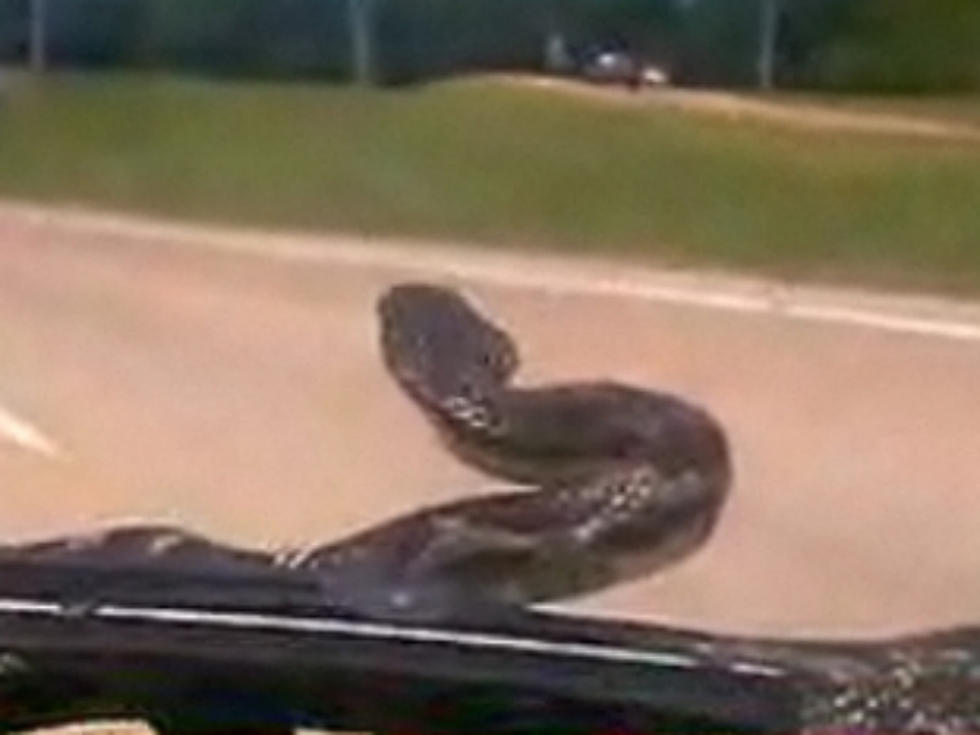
(144, 376)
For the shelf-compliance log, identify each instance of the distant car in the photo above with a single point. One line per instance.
(654, 76)
(609, 67)
(621, 67)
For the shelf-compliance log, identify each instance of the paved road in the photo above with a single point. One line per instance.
(243, 396)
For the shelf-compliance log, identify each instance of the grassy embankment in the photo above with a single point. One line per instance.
(486, 163)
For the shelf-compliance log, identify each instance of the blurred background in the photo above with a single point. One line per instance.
(907, 45)
(808, 139)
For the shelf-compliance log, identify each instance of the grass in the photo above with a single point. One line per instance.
(507, 167)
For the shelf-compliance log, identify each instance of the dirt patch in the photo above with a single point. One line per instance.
(736, 107)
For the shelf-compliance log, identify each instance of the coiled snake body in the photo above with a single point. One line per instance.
(616, 483)
(619, 481)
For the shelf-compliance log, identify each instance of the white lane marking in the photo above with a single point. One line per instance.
(386, 631)
(500, 275)
(886, 322)
(18, 431)
(532, 272)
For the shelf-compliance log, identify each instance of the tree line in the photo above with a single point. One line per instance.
(887, 45)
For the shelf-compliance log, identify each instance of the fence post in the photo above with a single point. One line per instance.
(38, 41)
(768, 28)
(360, 16)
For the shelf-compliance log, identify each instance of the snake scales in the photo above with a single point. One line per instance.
(616, 482)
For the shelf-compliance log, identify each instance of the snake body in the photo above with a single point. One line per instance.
(615, 483)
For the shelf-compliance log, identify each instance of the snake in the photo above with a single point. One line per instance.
(609, 483)
(612, 482)
(606, 483)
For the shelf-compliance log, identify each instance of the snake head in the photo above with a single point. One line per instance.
(439, 348)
